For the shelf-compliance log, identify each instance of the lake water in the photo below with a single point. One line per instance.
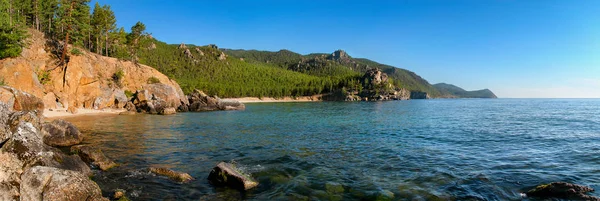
(468, 149)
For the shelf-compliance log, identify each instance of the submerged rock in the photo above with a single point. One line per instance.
(61, 133)
(226, 174)
(93, 156)
(174, 175)
(562, 190)
(47, 183)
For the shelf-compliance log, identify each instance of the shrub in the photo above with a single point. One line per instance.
(128, 93)
(2, 83)
(43, 76)
(117, 76)
(76, 51)
(153, 80)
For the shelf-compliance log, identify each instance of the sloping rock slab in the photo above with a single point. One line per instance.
(21, 101)
(94, 156)
(47, 183)
(226, 174)
(174, 175)
(562, 190)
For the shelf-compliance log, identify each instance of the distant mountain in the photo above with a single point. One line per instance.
(451, 91)
(338, 64)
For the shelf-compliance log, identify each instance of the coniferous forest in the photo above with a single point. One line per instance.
(222, 72)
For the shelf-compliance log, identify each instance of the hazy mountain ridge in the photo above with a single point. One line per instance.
(452, 91)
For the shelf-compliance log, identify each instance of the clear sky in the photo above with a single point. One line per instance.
(516, 48)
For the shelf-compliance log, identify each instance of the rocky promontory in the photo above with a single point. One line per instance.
(89, 81)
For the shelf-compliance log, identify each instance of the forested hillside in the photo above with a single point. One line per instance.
(222, 72)
(451, 91)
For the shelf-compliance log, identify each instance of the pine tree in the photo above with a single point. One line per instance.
(12, 34)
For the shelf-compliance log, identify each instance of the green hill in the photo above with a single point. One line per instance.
(452, 91)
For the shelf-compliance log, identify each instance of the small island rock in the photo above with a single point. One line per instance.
(562, 190)
(226, 174)
(174, 175)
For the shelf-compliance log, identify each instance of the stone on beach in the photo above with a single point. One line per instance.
(226, 174)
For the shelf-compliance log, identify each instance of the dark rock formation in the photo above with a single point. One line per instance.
(47, 183)
(418, 95)
(61, 133)
(199, 101)
(93, 156)
(226, 174)
(174, 175)
(373, 78)
(562, 190)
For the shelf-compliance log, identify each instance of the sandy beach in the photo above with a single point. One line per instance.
(274, 100)
(62, 112)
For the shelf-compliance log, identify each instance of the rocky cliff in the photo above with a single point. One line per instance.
(88, 80)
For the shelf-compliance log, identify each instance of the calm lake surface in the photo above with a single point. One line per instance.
(466, 149)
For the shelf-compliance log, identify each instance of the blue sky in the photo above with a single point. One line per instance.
(516, 48)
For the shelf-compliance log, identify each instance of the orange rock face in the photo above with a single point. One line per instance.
(89, 81)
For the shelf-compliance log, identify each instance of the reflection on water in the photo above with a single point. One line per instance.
(408, 150)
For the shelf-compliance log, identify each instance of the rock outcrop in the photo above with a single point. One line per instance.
(88, 81)
(33, 170)
(174, 175)
(61, 133)
(93, 156)
(226, 174)
(199, 101)
(18, 100)
(562, 190)
(47, 183)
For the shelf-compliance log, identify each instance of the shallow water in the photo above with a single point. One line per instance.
(466, 149)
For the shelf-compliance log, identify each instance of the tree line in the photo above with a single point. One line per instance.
(66, 22)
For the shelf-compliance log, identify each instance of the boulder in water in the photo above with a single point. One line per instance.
(226, 174)
(562, 190)
(93, 156)
(174, 175)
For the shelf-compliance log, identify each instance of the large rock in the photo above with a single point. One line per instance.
(47, 183)
(174, 175)
(93, 156)
(165, 92)
(226, 174)
(562, 190)
(10, 176)
(373, 78)
(61, 133)
(27, 145)
(5, 132)
(21, 101)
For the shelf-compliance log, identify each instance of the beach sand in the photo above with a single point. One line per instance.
(62, 112)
